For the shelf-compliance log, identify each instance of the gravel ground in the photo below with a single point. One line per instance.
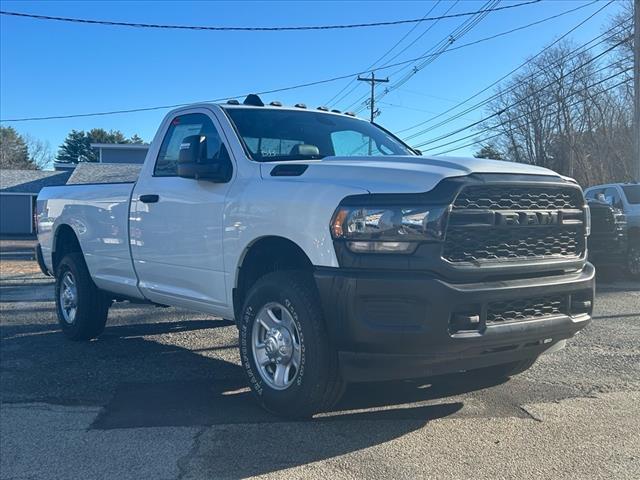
(161, 395)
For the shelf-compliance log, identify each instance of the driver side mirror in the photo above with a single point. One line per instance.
(193, 160)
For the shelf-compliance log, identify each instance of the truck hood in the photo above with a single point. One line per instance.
(402, 174)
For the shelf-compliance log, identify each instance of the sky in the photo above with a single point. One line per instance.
(54, 68)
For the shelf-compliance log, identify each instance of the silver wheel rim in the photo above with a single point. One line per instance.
(276, 346)
(68, 298)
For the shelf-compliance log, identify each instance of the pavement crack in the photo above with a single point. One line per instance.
(183, 461)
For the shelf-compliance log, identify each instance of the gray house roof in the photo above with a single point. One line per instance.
(122, 146)
(30, 181)
(104, 173)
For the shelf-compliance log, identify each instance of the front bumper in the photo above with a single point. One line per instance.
(392, 325)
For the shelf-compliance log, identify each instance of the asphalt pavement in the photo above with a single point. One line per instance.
(161, 395)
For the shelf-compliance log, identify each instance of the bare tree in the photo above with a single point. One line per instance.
(570, 111)
(39, 152)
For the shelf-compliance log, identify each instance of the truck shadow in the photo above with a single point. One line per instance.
(142, 377)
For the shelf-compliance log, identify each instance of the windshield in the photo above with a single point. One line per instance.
(275, 135)
(632, 192)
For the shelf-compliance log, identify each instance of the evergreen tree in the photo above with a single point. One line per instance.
(489, 151)
(76, 148)
(100, 135)
(136, 139)
(14, 152)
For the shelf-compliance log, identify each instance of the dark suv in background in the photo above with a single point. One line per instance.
(615, 216)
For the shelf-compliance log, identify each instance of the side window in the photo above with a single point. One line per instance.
(350, 142)
(613, 197)
(591, 194)
(184, 126)
(596, 194)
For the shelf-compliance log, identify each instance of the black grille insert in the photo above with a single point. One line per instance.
(485, 225)
(518, 198)
(523, 243)
(526, 309)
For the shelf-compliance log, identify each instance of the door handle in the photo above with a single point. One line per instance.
(151, 198)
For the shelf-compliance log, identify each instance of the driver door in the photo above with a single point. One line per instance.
(176, 224)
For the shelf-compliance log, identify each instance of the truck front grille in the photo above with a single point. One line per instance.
(526, 309)
(518, 198)
(515, 223)
(502, 244)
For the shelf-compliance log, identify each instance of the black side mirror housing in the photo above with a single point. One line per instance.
(193, 161)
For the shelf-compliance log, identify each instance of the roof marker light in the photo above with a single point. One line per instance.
(254, 100)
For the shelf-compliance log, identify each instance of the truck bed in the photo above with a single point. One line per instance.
(99, 216)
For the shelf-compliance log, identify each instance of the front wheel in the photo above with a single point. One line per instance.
(284, 347)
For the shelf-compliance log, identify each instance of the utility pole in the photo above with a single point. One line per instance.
(373, 80)
(636, 89)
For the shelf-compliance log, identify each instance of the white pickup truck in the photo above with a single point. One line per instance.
(341, 253)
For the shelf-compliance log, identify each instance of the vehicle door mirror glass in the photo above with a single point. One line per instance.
(202, 159)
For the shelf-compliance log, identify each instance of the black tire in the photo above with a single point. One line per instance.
(92, 305)
(633, 261)
(317, 385)
(504, 370)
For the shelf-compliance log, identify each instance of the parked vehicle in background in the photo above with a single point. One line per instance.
(341, 254)
(624, 198)
(608, 242)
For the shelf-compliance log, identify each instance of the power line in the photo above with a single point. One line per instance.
(291, 87)
(445, 42)
(427, 30)
(491, 37)
(568, 56)
(502, 124)
(592, 59)
(176, 105)
(352, 81)
(448, 39)
(502, 133)
(444, 46)
(407, 107)
(572, 54)
(505, 123)
(248, 29)
(415, 40)
(511, 72)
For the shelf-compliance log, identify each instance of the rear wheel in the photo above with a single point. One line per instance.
(284, 347)
(82, 308)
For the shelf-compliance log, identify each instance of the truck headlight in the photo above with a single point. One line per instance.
(388, 229)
